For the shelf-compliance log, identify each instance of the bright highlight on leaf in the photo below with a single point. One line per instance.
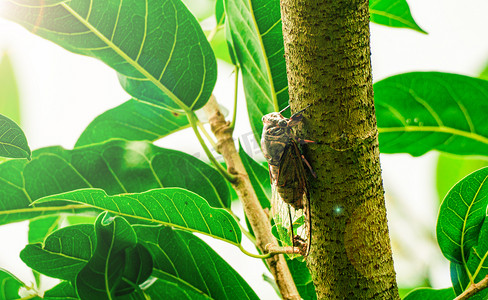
(166, 61)
(423, 111)
(13, 142)
(174, 207)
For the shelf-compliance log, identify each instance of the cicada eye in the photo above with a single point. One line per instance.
(282, 123)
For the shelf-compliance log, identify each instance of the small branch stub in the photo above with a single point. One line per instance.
(473, 289)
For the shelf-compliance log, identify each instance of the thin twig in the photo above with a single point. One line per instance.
(193, 122)
(473, 289)
(257, 217)
(207, 135)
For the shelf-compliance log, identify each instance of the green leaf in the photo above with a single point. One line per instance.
(62, 291)
(134, 121)
(171, 288)
(431, 294)
(9, 95)
(393, 13)
(116, 166)
(303, 279)
(477, 265)
(182, 259)
(423, 111)
(256, 33)
(451, 169)
(171, 206)
(116, 255)
(64, 253)
(259, 177)
(157, 47)
(219, 12)
(40, 228)
(13, 142)
(9, 286)
(461, 215)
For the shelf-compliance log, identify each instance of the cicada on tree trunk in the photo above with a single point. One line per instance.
(290, 204)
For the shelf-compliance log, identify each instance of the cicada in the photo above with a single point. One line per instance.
(290, 204)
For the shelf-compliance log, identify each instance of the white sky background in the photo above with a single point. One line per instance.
(62, 92)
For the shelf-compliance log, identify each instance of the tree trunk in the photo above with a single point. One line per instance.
(327, 49)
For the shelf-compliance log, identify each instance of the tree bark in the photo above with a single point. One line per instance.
(327, 49)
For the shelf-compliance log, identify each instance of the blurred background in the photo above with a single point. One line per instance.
(60, 93)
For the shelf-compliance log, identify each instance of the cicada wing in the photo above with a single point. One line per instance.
(292, 179)
(290, 224)
(280, 211)
(291, 187)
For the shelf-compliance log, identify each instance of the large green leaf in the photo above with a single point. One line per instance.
(64, 253)
(171, 206)
(157, 46)
(431, 294)
(182, 259)
(116, 166)
(9, 95)
(256, 33)
(393, 13)
(423, 111)
(9, 286)
(461, 215)
(13, 142)
(116, 262)
(134, 121)
(462, 231)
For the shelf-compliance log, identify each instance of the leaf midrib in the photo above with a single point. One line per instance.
(436, 129)
(266, 61)
(54, 198)
(127, 58)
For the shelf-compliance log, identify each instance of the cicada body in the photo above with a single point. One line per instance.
(290, 207)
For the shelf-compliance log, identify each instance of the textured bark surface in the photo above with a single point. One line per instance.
(327, 49)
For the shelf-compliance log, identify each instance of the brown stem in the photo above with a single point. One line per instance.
(257, 217)
(473, 289)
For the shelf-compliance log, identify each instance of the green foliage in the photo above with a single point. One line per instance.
(419, 112)
(13, 142)
(256, 35)
(151, 199)
(462, 231)
(9, 286)
(134, 121)
(175, 207)
(430, 294)
(392, 13)
(167, 60)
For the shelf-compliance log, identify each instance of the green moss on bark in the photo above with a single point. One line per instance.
(327, 48)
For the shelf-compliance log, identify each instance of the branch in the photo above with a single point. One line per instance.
(473, 289)
(257, 217)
